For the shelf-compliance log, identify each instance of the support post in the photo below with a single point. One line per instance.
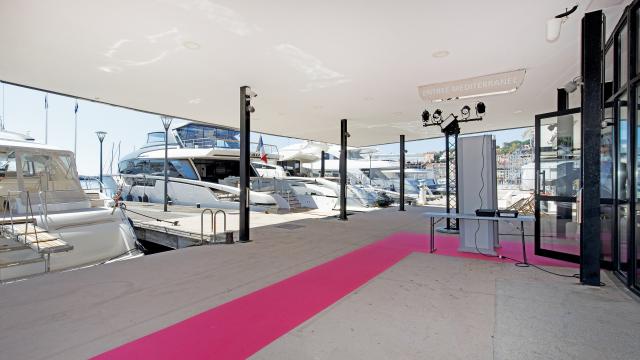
(101, 135)
(100, 165)
(451, 158)
(592, 69)
(563, 99)
(166, 123)
(402, 164)
(343, 169)
(322, 164)
(245, 153)
(166, 170)
(564, 184)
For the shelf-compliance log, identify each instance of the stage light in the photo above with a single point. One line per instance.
(480, 108)
(425, 116)
(437, 115)
(465, 111)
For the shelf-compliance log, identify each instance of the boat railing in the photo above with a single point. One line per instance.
(212, 142)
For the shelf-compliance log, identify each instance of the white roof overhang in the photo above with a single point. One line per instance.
(312, 63)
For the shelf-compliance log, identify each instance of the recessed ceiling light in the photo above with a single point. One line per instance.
(195, 101)
(191, 45)
(440, 54)
(517, 111)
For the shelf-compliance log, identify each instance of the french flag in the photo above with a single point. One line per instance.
(263, 153)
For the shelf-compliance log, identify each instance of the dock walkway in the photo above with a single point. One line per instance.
(424, 306)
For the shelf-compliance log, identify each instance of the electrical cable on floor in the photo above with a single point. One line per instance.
(475, 235)
(518, 263)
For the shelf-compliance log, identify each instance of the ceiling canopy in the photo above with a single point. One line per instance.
(311, 62)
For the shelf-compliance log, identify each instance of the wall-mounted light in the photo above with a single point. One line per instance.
(572, 85)
(554, 25)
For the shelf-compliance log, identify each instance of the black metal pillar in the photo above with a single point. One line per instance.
(101, 166)
(245, 153)
(166, 122)
(101, 135)
(563, 99)
(343, 169)
(451, 159)
(564, 184)
(166, 168)
(322, 164)
(592, 69)
(402, 161)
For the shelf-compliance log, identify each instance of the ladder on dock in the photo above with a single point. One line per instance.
(287, 194)
(24, 230)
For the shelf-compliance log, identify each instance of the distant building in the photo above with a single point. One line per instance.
(430, 157)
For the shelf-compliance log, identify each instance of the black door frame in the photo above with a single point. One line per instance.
(572, 199)
(628, 22)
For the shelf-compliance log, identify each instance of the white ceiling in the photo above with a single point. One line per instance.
(311, 62)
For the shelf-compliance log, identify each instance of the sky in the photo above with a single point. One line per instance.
(24, 112)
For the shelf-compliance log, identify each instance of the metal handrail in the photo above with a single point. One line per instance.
(202, 224)
(215, 223)
(44, 208)
(26, 224)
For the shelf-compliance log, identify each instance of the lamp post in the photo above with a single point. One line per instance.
(166, 122)
(101, 135)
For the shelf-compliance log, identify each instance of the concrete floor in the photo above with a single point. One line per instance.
(426, 306)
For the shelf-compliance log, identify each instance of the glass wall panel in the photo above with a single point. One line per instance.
(607, 214)
(557, 233)
(560, 155)
(608, 66)
(623, 184)
(623, 57)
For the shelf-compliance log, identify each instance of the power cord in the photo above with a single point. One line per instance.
(517, 262)
(475, 235)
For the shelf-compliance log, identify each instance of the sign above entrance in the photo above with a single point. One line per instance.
(494, 84)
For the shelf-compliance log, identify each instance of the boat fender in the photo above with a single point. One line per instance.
(129, 197)
(145, 198)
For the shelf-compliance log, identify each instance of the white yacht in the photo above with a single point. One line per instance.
(366, 171)
(204, 169)
(48, 223)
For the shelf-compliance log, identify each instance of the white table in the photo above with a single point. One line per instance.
(432, 215)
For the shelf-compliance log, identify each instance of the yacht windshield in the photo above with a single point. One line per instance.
(44, 174)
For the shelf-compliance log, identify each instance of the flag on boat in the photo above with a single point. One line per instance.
(46, 102)
(260, 149)
(76, 109)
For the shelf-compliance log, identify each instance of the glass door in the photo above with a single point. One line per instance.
(622, 186)
(557, 164)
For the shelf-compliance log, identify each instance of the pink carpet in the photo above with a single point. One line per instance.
(448, 245)
(241, 327)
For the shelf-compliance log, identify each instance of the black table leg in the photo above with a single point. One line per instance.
(432, 239)
(524, 250)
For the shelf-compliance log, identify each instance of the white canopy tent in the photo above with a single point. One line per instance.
(312, 63)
